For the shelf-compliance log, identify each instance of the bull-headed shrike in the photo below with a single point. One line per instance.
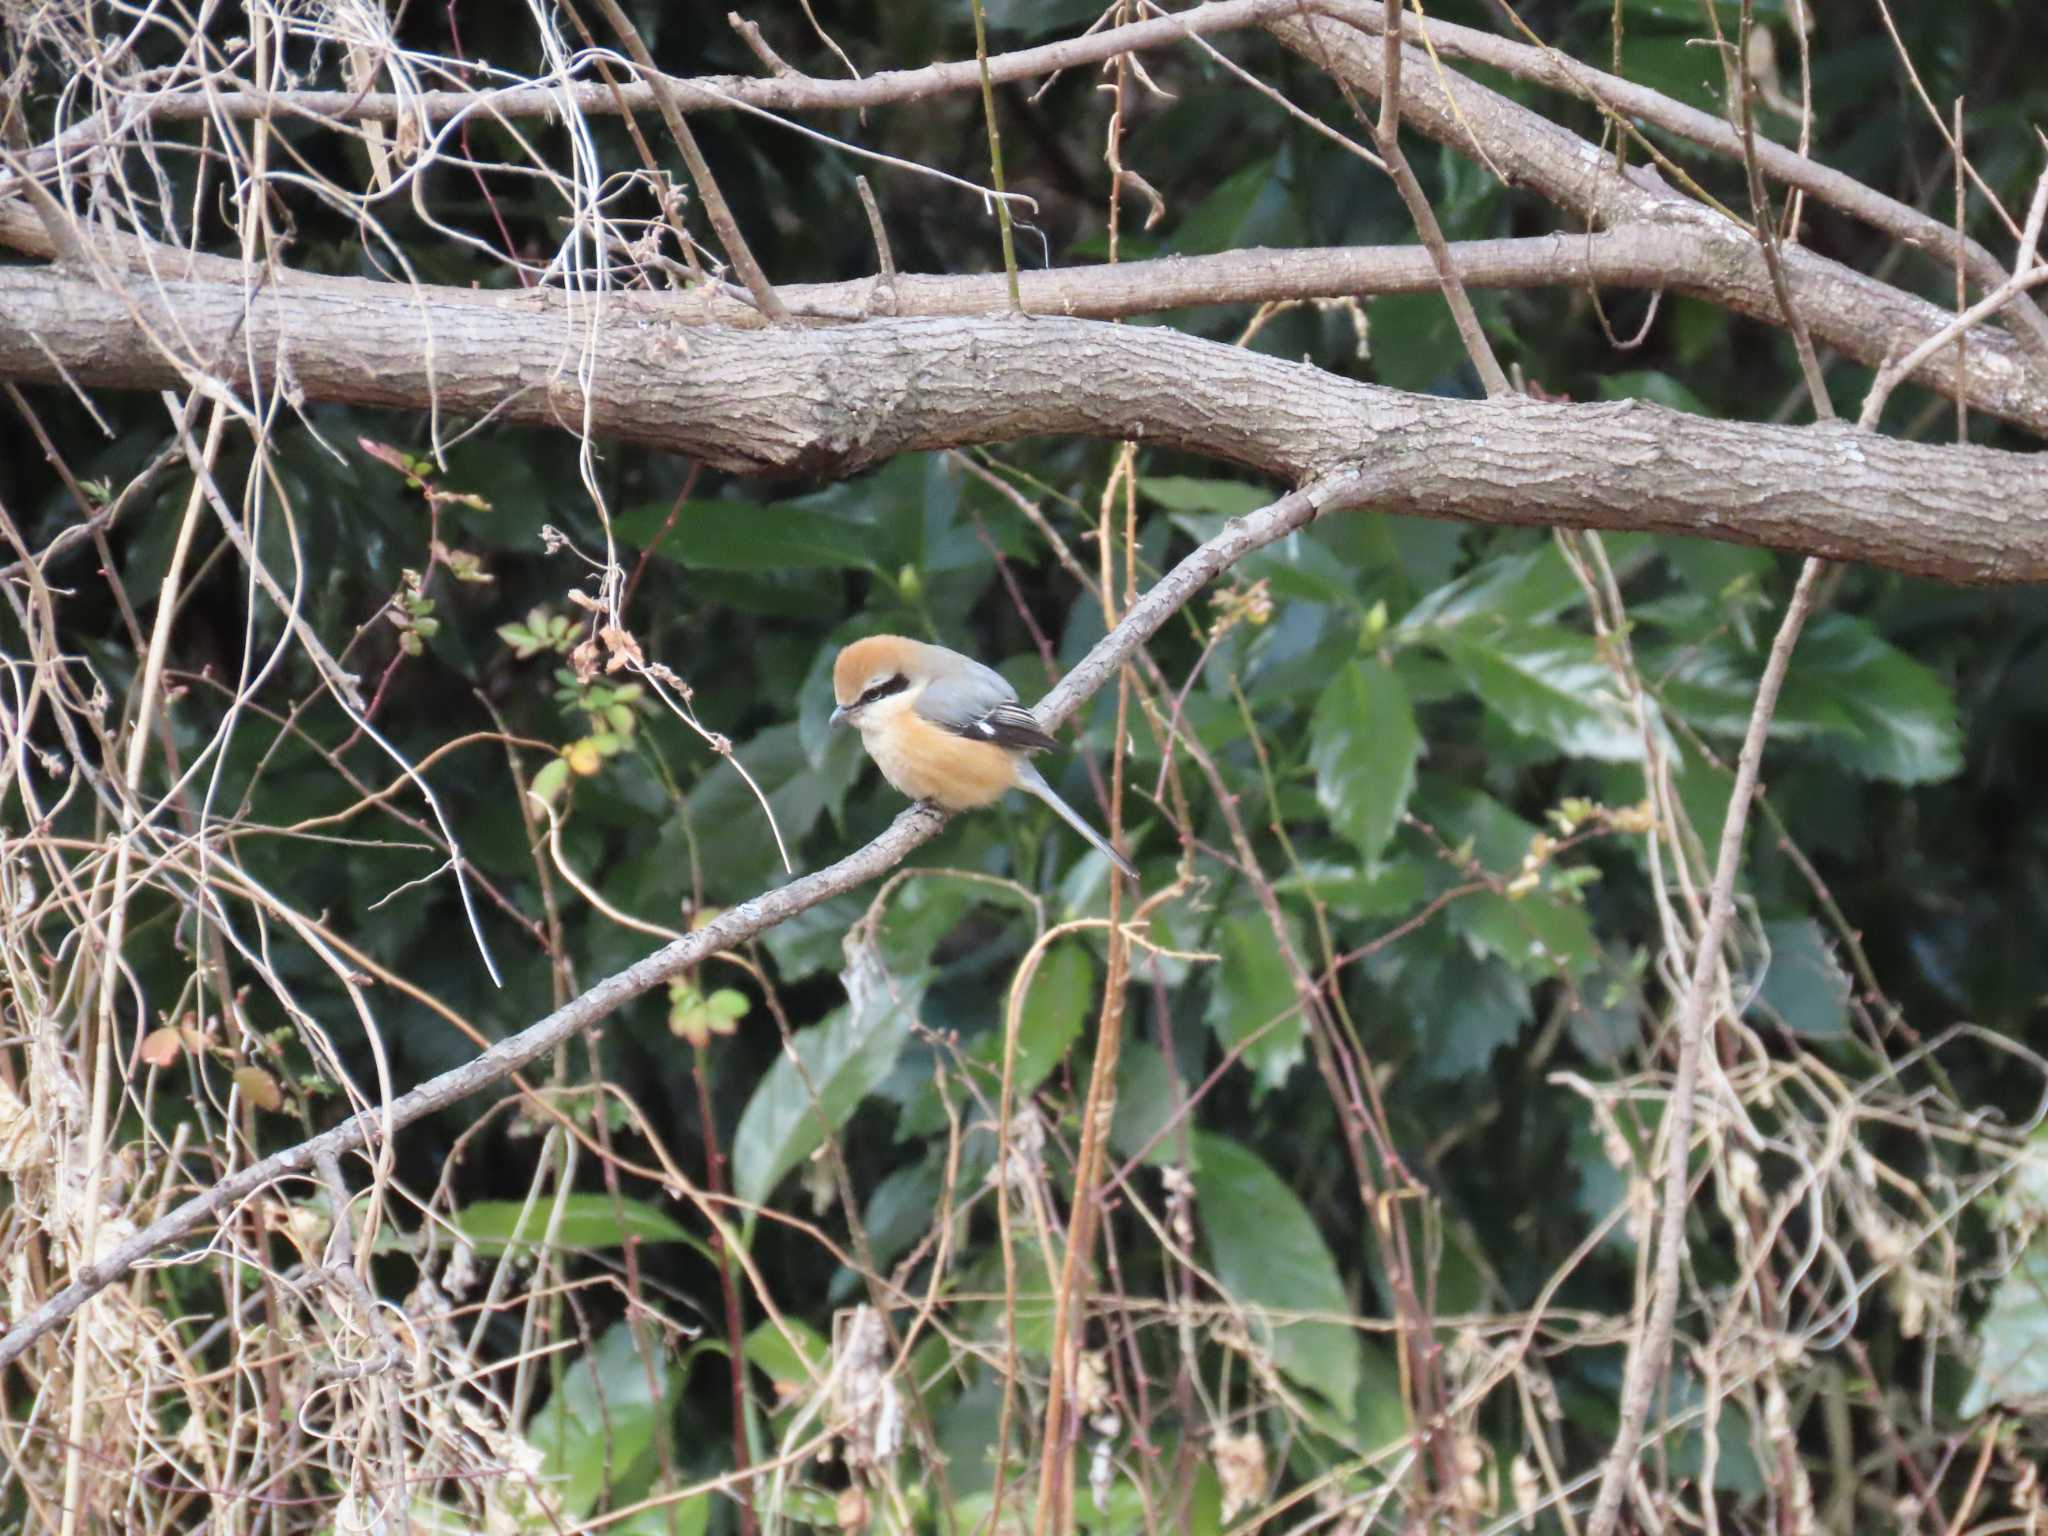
(942, 727)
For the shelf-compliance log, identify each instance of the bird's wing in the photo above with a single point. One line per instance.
(978, 704)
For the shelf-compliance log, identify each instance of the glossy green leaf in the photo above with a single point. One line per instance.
(811, 941)
(1273, 1263)
(1804, 985)
(1247, 207)
(1512, 589)
(1657, 388)
(1876, 711)
(902, 1209)
(1033, 19)
(1254, 999)
(1147, 1099)
(692, 1517)
(1549, 684)
(1541, 936)
(735, 844)
(1061, 998)
(842, 1062)
(1395, 887)
(1898, 718)
(1363, 746)
(1477, 823)
(587, 1221)
(1415, 343)
(1464, 1004)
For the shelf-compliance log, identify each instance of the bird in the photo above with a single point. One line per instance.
(944, 728)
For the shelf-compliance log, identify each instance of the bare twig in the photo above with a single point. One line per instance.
(1651, 1348)
(737, 251)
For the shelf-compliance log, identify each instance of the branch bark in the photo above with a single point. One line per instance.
(1686, 250)
(831, 401)
(1528, 150)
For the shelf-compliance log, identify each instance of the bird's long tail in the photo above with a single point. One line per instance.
(1030, 780)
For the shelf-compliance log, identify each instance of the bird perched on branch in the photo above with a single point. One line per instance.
(942, 727)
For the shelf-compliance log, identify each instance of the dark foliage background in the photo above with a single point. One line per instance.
(1896, 885)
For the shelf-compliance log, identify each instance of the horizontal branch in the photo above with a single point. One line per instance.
(829, 401)
(734, 926)
(1687, 250)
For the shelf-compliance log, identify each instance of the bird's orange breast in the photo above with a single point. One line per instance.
(928, 763)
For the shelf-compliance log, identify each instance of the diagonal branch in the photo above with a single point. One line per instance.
(1240, 537)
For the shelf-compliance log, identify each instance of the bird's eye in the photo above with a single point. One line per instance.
(883, 689)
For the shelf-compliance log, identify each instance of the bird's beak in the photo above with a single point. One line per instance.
(838, 716)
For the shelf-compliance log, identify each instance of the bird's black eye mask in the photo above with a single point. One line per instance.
(881, 690)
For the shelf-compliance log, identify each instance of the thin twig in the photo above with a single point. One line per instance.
(1650, 1350)
(670, 100)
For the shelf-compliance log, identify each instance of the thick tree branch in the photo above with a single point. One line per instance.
(1240, 537)
(1694, 253)
(831, 401)
(1529, 150)
(1548, 67)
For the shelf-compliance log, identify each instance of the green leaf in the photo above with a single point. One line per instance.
(1715, 570)
(1877, 712)
(1055, 1008)
(1037, 18)
(1512, 589)
(1898, 717)
(810, 942)
(1146, 1101)
(1273, 1262)
(588, 1221)
(748, 536)
(735, 846)
(794, 1357)
(1466, 818)
(843, 1060)
(1185, 493)
(1549, 684)
(1395, 887)
(1303, 565)
(1363, 746)
(1464, 1004)
(1540, 936)
(1249, 207)
(1803, 984)
(1254, 994)
(2012, 1342)
(901, 1210)
(1415, 343)
(596, 1433)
